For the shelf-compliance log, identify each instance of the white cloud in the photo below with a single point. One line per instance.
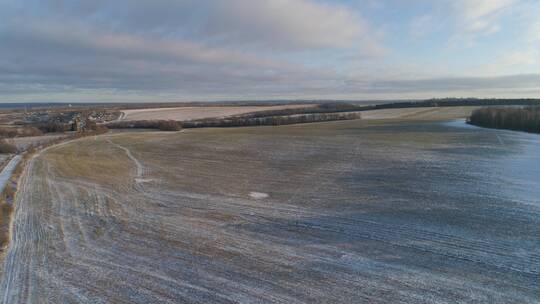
(533, 32)
(184, 45)
(226, 49)
(421, 26)
(93, 41)
(523, 61)
(299, 23)
(480, 17)
(276, 24)
(473, 10)
(528, 57)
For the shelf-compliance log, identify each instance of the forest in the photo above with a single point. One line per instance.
(520, 119)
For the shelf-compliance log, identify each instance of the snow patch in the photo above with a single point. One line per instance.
(144, 180)
(258, 195)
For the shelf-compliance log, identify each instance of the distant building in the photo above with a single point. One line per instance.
(78, 124)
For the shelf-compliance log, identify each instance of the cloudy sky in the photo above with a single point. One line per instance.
(181, 50)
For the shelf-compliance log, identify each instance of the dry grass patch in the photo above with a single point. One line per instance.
(7, 147)
(6, 210)
(93, 159)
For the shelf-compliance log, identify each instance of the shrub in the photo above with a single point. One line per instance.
(5, 215)
(8, 132)
(23, 131)
(93, 126)
(54, 127)
(6, 147)
(9, 192)
(169, 125)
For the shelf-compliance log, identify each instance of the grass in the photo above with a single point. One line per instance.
(6, 211)
(95, 159)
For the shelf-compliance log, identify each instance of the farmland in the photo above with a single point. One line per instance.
(421, 113)
(191, 113)
(196, 113)
(406, 209)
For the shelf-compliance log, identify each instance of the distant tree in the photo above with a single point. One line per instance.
(164, 125)
(169, 125)
(54, 127)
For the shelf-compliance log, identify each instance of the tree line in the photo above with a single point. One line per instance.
(338, 107)
(269, 120)
(334, 107)
(171, 125)
(163, 125)
(453, 102)
(520, 119)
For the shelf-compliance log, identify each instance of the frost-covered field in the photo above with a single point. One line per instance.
(191, 113)
(23, 143)
(341, 212)
(428, 113)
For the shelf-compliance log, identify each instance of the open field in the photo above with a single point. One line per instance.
(371, 211)
(430, 113)
(23, 143)
(191, 113)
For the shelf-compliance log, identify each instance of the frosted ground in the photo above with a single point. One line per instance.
(399, 211)
(191, 113)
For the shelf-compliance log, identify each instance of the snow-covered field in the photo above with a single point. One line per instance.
(191, 113)
(439, 113)
(337, 212)
(23, 143)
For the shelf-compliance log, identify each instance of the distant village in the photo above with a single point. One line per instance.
(74, 120)
(22, 129)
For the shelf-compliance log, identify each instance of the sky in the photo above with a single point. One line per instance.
(197, 50)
